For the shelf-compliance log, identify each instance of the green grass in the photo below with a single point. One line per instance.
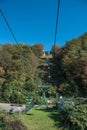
(46, 56)
(40, 119)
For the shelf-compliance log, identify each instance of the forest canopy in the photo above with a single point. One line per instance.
(18, 72)
(71, 67)
(22, 69)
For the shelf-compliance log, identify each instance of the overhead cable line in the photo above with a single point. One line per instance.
(57, 22)
(9, 27)
(55, 36)
(11, 31)
(13, 35)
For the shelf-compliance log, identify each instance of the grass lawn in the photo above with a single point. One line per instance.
(40, 119)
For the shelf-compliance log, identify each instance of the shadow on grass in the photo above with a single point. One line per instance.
(55, 117)
(29, 114)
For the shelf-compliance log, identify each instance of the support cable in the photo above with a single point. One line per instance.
(9, 27)
(14, 37)
(57, 22)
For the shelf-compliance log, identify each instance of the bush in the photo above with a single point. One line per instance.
(16, 125)
(69, 88)
(10, 122)
(74, 118)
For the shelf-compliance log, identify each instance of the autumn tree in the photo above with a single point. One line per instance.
(18, 72)
(37, 49)
(70, 64)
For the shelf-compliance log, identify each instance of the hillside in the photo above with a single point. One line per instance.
(70, 70)
(23, 68)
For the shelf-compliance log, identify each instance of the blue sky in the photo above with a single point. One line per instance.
(33, 21)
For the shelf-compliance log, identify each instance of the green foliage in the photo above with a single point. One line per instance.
(52, 91)
(69, 71)
(37, 49)
(55, 50)
(21, 69)
(69, 88)
(18, 72)
(10, 122)
(74, 118)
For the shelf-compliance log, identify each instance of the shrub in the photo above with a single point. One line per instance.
(16, 125)
(74, 118)
(10, 122)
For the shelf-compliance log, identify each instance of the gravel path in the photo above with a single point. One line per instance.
(12, 107)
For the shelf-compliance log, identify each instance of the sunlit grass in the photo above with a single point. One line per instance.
(40, 119)
(46, 56)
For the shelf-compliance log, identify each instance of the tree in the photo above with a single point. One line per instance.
(18, 72)
(55, 50)
(70, 66)
(37, 49)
